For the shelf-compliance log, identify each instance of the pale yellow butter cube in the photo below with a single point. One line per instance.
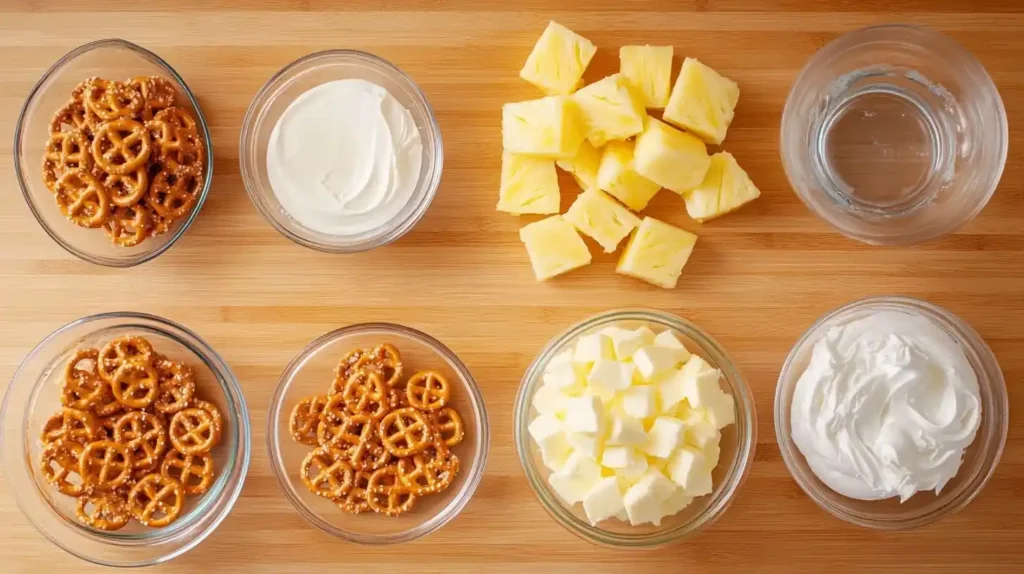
(528, 185)
(671, 158)
(584, 165)
(558, 60)
(649, 71)
(554, 247)
(702, 101)
(610, 110)
(726, 187)
(657, 253)
(617, 175)
(549, 127)
(601, 218)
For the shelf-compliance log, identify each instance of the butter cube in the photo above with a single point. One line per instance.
(544, 427)
(621, 457)
(585, 443)
(644, 500)
(665, 436)
(560, 376)
(576, 478)
(673, 159)
(554, 247)
(700, 382)
(528, 185)
(555, 452)
(583, 166)
(549, 400)
(711, 455)
(722, 410)
(702, 434)
(549, 434)
(610, 110)
(639, 402)
(725, 188)
(603, 501)
(656, 362)
(688, 469)
(593, 347)
(702, 101)
(598, 216)
(676, 502)
(583, 414)
(656, 253)
(649, 72)
(617, 175)
(667, 340)
(647, 335)
(626, 430)
(548, 127)
(625, 342)
(558, 60)
(610, 376)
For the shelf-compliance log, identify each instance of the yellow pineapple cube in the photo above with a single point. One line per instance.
(617, 175)
(554, 247)
(584, 166)
(548, 127)
(656, 253)
(610, 110)
(725, 188)
(601, 218)
(671, 158)
(558, 60)
(649, 71)
(528, 185)
(702, 101)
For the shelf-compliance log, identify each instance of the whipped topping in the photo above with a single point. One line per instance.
(344, 158)
(886, 407)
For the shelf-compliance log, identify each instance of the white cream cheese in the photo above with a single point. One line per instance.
(344, 158)
(886, 407)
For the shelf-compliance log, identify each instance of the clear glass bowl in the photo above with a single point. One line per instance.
(737, 444)
(980, 458)
(113, 60)
(292, 81)
(34, 395)
(894, 135)
(311, 372)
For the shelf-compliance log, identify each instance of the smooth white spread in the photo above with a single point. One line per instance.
(886, 407)
(344, 158)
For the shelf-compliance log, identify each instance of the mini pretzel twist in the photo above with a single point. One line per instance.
(157, 94)
(121, 146)
(125, 190)
(83, 387)
(215, 416)
(305, 418)
(64, 151)
(74, 116)
(127, 226)
(127, 349)
(156, 500)
(428, 391)
(81, 198)
(193, 471)
(356, 501)
(176, 385)
(59, 467)
(144, 436)
(111, 100)
(173, 193)
(70, 425)
(386, 360)
(103, 510)
(425, 475)
(135, 385)
(387, 495)
(327, 473)
(105, 465)
(404, 432)
(192, 431)
(447, 424)
(365, 393)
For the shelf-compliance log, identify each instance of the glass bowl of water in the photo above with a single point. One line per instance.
(894, 135)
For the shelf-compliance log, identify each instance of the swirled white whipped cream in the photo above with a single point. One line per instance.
(886, 407)
(344, 158)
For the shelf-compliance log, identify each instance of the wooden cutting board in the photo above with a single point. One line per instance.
(756, 281)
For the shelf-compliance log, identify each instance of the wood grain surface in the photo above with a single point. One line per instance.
(756, 281)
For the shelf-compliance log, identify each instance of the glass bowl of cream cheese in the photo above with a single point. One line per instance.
(340, 151)
(891, 413)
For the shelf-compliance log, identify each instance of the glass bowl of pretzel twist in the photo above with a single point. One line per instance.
(113, 154)
(377, 433)
(125, 439)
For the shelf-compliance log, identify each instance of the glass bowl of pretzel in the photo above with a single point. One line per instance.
(125, 439)
(377, 433)
(113, 154)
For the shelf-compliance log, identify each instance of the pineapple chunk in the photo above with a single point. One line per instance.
(558, 60)
(548, 127)
(584, 166)
(725, 188)
(528, 185)
(618, 177)
(610, 110)
(702, 101)
(649, 71)
(671, 158)
(554, 247)
(601, 218)
(656, 253)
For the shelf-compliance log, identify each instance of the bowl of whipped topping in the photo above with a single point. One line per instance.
(891, 413)
(340, 151)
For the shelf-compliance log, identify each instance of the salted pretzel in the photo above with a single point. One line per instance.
(82, 198)
(428, 391)
(173, 131)
(135, 385)
(157, 94)
(192, 431)
(447, 424)
(121, 146)
(144, 435)
(59, 467)
(357, 438)
(386, 360)
(387, 495)
(365, 393)
(404, 432)
(105, 465)
(127, 226)
(64, 151)
(126, 349)
(351, 431)
(370, 455)
(107, 425)
(111, 100)
(215, 416)
(334, 421)
(103, 510)
(83, 387)
(176, 385)
(156, 500)
(326, 472)
(172, 194)
(124, 190)
(193, 471)
(305, 418)
(343, 372)
(70, 425)
(424, 475)
(74, 116)
(160, 225)
(107, 405)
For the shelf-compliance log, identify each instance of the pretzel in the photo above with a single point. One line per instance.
(161, 224)
(345, 369)
(121, 350)
(365, 393)
(176, 385)
(135, 385)
(193, 471)
(218, 419)
(106, 425)
(357, 437)
(369, 455)
(107, 405)
(157, 94)
(387, 495)
(124, 190)
(81, 198)
(59, 466)
(351, 431)
(172, 194)
(355, 501)
(174, 132)
(192, 431)
(111, 100)
(156, 500)
(103, 510)
(70, 425)
(447, 424)
(428, 391)
(82, 385)
(423, 475)
(404, 432)
(105, 465)
(64, 151)
(144, 435)
(304, 419)
(127, 226)
(73, 116)
(326, 473)
(121, 146)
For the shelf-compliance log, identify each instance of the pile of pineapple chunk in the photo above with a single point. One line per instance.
(620, 156)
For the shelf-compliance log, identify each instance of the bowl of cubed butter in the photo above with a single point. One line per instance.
(634, 428)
